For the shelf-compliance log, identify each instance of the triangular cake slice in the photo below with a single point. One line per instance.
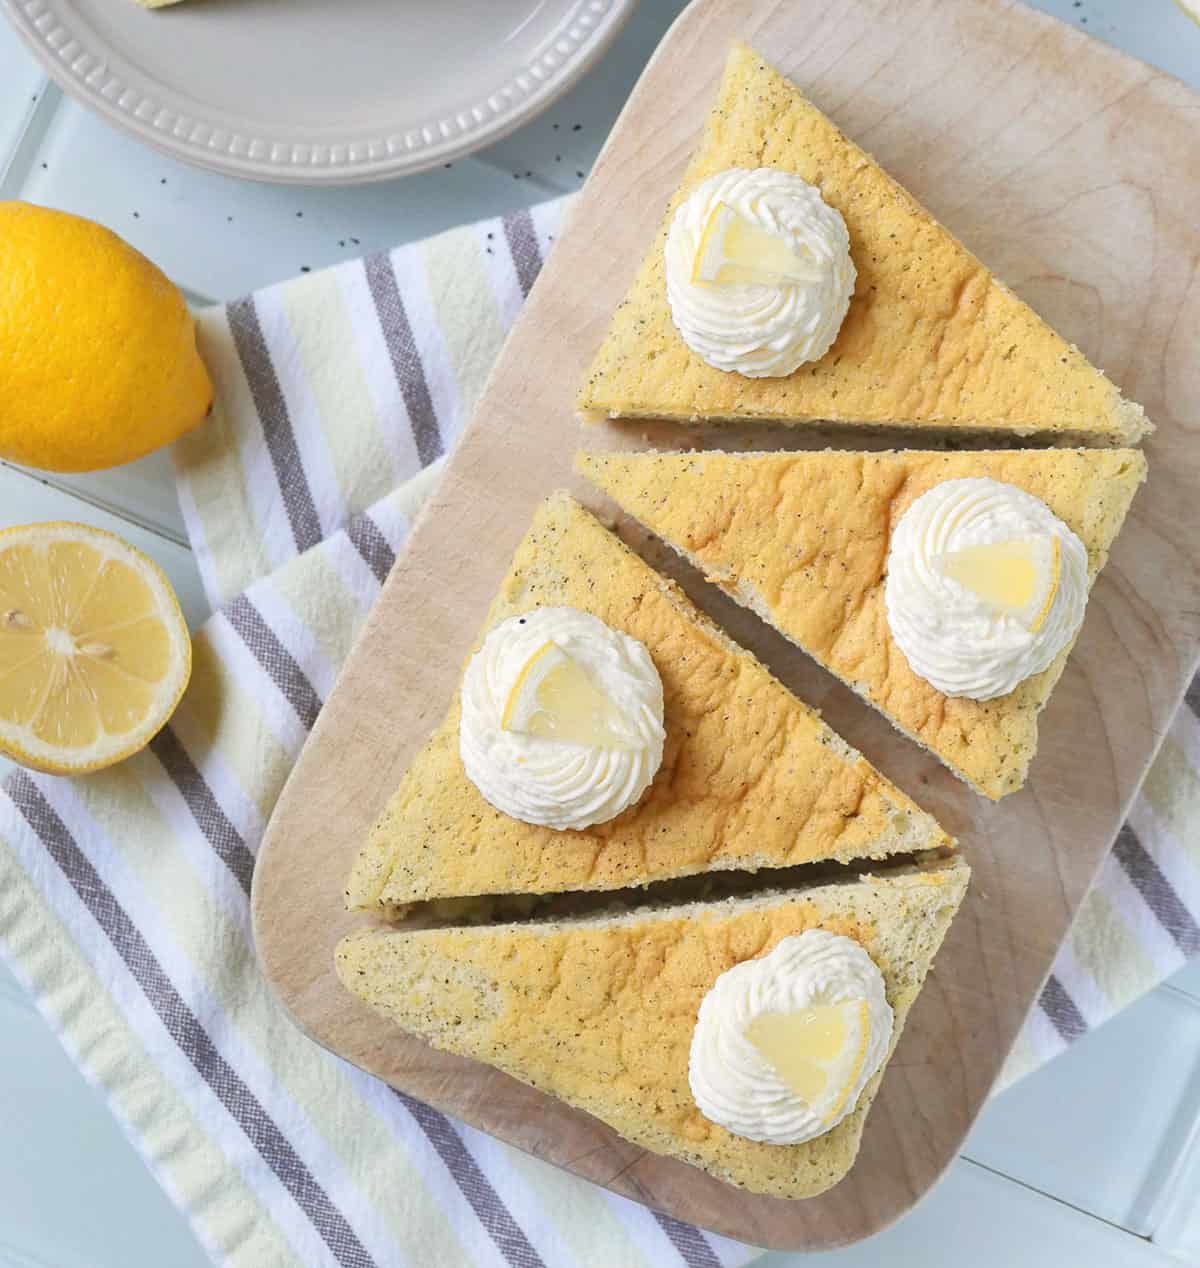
(932, 339)
(599, 1010)
(802, 539)
(751, 778)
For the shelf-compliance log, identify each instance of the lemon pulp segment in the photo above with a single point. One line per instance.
(818, 1052)
(94, 652)
(1018, 577)
(554, 698)
(734, 251)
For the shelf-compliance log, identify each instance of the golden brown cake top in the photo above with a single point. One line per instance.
(600, 1012)
(932, 338)
(803, 539)
(750, 777)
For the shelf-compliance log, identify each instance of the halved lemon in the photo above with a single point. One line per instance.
(94, 651)
(734, 251)
(1019, 578)
(818, 1052)
(554, 698)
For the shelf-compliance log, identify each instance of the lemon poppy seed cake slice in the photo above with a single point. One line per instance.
(750, 777)
(600, 1011)
(803, 540)
(931, 338)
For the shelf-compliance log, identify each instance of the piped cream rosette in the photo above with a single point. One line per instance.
(985, 587)
(562, 719)
(759, 274)
(785, 1044)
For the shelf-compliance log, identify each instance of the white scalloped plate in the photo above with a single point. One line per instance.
(318, 92)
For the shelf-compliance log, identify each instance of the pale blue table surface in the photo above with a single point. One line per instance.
(1093, 1161)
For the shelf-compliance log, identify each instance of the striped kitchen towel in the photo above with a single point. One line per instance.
(124, 896)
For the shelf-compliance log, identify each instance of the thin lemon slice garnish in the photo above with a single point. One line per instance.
(554, 698)
(94, 651)
(1019, 578)
(734, 251)
(818, 1052)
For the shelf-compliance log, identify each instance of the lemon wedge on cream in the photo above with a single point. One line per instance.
(1018, 578)
(554, 698)
(817, 1052)
(734, 251)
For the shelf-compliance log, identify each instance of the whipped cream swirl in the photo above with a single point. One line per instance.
(554, 783)
(733, 1083)
(757, 330)
(949, 635)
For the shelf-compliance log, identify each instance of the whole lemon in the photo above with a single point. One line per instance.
(98, 360)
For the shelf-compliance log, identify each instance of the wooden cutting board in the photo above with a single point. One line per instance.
(1073, 171)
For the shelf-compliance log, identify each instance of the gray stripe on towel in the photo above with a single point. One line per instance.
(523, 244)
(272, 411)
(1154, 887)
(495, 1217)
(689, 1241)
(278, 662)
(211, 819)
(376, 552)
(406, 360)
(1062, 1010)
(184, 1027)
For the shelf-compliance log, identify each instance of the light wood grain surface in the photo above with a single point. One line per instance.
(1072, 171)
